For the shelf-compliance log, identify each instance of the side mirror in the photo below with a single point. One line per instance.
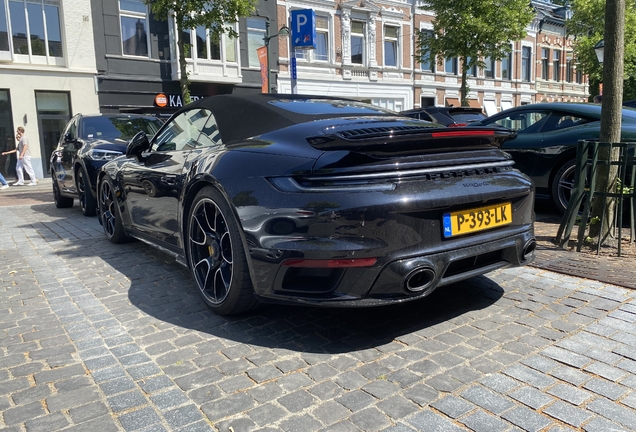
(137, 145)
(68, 138)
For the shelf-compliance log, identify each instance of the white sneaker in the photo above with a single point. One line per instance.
(5, 187)
(18, 184)
(32, 184)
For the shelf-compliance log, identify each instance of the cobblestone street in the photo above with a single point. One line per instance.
(103, 337)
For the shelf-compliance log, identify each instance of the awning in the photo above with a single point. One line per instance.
(453, 102)
(505, 105)
(474, 103)
(490, 107)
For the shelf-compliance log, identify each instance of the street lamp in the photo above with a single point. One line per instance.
(599, 48)
(284, 32)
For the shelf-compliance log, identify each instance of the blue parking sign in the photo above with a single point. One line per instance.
(303, 28)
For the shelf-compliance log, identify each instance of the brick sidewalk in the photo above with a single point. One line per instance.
(103, 337)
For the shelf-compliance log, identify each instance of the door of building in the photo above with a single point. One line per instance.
(7, 135)
(54, 111)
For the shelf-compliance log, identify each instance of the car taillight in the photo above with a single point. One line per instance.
(458, 125)
(462, 133)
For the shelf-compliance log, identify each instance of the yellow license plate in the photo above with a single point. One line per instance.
(478, 219)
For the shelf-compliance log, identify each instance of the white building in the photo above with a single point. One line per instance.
(47, 70)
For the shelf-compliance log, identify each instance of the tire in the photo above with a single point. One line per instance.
(216, 255)
(562, 185)
(86, 199)
(60, 201)
(110, 214)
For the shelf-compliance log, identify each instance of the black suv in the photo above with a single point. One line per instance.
(87, 143)
(447, 116)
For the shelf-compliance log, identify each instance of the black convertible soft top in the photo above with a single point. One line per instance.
(243, 116)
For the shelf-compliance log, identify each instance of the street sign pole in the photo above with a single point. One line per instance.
(294, 73)
(303, 31)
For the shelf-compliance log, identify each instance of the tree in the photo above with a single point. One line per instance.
(587, 25)
(218, 15)
(472, 30)
(613, 21)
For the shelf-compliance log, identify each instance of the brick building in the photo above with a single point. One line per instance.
(366, 50)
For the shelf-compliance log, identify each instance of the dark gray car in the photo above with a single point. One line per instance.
(87, 143)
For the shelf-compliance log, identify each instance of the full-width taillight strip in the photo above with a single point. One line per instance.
(462, 133)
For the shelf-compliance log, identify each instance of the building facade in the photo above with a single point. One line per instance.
(367, 50)
(138, 62)
(47, 71)
(63, 57)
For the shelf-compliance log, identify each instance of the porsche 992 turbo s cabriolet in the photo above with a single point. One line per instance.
(320, 201)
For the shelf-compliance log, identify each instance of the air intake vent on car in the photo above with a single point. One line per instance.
(377, 132)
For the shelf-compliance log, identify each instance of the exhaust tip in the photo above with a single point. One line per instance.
(419, 279)
(528, 250)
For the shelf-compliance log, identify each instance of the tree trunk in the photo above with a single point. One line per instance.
(611, 113)
(463, 90)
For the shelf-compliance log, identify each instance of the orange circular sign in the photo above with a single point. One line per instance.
(161, 100)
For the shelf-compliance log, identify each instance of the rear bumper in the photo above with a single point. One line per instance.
(401, 279)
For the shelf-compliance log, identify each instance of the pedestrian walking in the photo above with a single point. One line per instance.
(24, 159)
(4, 183)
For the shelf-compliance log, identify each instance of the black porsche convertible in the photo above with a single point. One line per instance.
(320, 201)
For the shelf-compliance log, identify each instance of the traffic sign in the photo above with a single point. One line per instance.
(303, 28)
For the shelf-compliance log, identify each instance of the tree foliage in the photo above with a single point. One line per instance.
(472, 30)
(587, 25)
(218, 15)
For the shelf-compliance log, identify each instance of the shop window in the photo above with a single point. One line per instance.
(54, 111)
(255, 39)
(526, 64)
(35, 29)
(556, 66)
(134, 27)
(357, 42)
(391, 46)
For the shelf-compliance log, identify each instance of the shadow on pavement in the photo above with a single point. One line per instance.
(163, 289)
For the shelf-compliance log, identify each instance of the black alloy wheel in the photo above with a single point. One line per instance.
(60, 201)
(110, 215)
(216, 255)
(563, 185)
(86, 198)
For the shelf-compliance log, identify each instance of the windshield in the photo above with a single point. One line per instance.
(118, 128)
